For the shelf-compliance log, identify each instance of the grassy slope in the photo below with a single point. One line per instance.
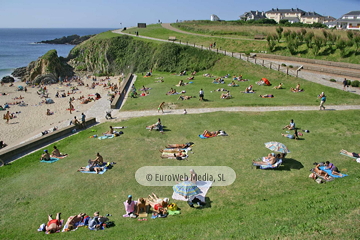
(259, 204)
(246, 32)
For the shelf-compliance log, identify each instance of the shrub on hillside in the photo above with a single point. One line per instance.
(355, 83)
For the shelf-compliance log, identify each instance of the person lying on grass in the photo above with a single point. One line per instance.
(292, 136)
(183, 97)
(173, 150)
(53, 225)
(320, 172)
(280, 86)
(177, 155)
(333, 168)
(351, 154)
(186, 145)
(91, 167)
(266, 96)
(207, 133)
(226, 95)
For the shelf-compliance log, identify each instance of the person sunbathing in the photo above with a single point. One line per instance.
(172, 150)
(56, 153)
(181, 83)
(172, 91)
(269, 160)
(351, 154)
(48, 112)
(53, 225)
(267, 96)
(249, 89)
(141, 206)
(175, 155)
(225, 95)
(45, 156)
(292, 136)
(157, 203)
(191, 78)
(233, 84)
(280, 86)
(73, 221)
(183, 97)
(99, 160)
(321, 173)
(207, 133)
(91, 167)
(186, 145)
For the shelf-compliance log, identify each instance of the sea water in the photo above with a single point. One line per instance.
(18, 46)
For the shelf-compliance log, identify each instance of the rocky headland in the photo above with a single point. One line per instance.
(71, 40)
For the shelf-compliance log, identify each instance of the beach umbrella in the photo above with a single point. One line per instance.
(186, 189)
(277, 147)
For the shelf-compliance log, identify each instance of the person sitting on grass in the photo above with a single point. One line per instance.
(140, 206)
(333, 168)
(129, 205)
(320, 172)
(172, 91)
(269, 160)
(249, 89)
(56, 153)
(158, 125)
(226, 95)
(45, 156)
(297, 88)
(267, 96)
(280, 86)
(351, 154)
(291, 125)
(292, 136)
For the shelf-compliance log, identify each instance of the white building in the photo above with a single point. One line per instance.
(213, 17)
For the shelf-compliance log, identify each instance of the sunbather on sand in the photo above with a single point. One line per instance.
(186, 145)
(351, 154)
(320, 172)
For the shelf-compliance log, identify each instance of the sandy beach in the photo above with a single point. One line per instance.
(32, 119)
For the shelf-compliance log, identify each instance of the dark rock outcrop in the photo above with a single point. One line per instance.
(71, 40)
(19, 72)
(7, 79)
(47, 69)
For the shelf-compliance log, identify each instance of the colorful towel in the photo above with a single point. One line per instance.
(328, 171)
(174, 212)
(52, 159)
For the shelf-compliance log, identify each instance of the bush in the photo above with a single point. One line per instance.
(355, 83)
(283, 64)
(332, 80)
(291, 66)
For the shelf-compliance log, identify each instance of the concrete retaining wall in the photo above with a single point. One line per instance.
(12, 153)
(122, 92)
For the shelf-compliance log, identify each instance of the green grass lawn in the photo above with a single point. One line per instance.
(283, 97)
(260, 204)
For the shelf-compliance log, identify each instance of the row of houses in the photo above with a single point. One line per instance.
(350, 20)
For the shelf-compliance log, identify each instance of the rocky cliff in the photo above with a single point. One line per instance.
(72, 40)
(47, 69)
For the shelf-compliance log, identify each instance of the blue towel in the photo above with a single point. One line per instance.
(328, 171)
(107, 136)
(102, 172)
(52, 159)
(202, 136)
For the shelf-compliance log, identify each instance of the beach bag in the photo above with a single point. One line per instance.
(172, 206)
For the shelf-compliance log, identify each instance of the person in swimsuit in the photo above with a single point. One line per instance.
(53, 225)
(161, 107)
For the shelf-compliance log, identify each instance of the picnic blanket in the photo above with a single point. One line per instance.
(52, 159)
(204, 187)
(328, 171)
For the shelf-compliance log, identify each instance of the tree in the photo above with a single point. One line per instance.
(271, 39)
(318, 43)
(284, 21)
(350, 35)
(356, 41)
(279, 31)
(287, 34)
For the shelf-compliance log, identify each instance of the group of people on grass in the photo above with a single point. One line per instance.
(46, 156)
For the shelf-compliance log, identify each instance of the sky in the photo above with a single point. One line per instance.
(119, 13)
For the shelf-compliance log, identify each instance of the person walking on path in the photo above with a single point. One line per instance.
(161, 107)
(345, 84)
(83, 117)
(322, 100)
(201, 95)
(7, 116)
